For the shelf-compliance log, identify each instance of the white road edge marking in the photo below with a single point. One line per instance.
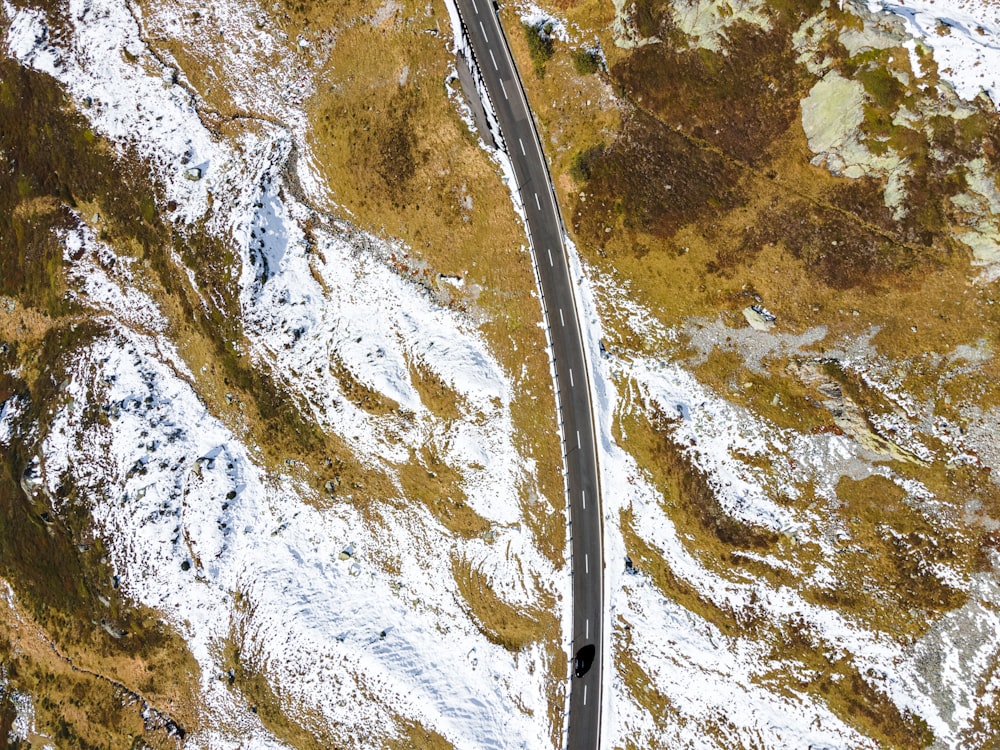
(523, 153)
(571, 383)
(561, 318)
(539, 205)
(504, 89)
(550, 253)
(494, 61)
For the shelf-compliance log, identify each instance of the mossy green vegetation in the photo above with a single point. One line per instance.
(586, 61)
(540, 45)
(583, 163)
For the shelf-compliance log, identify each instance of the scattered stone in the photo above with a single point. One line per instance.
(759, 318)
(193, 174)
(112, 630)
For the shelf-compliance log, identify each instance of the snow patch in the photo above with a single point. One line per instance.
(964, 36)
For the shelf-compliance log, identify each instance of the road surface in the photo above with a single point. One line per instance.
(489, 46)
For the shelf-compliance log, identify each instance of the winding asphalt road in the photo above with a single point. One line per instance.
(492, 55)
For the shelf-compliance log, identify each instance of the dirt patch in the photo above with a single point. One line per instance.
(839, 249)
(651, 179)
(739, 99)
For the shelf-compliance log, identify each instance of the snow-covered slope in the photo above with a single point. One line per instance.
(235, 556)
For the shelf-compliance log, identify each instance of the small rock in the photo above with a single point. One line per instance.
(759, 318)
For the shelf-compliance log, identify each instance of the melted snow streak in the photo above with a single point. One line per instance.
(197, 530)
(965, 37)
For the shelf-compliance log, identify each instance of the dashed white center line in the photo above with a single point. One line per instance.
(587, 634)
(585, 694)
(583, 496)
(494, 61)
(586, 563)
(571, 383)
(550, 265)
(561, 318)
(578, 440)
(537, 203)
(483, 29)
(504, 89)
(475, 7)
(523, 152)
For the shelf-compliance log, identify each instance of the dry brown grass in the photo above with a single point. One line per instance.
(445, 403)
(774, 395)
(403, 164)
(885, 582)
(649, 561)
(756, 221)
(838, 683)
(641, 687)
(515, 628)
(240, 656)
(415, 736)
(81, 707)
(886, 570)
(276, 425)
(501, 623)
(400, 163)
(686, 489)
(429, 480)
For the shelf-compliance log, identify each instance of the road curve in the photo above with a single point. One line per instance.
(492, 55)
